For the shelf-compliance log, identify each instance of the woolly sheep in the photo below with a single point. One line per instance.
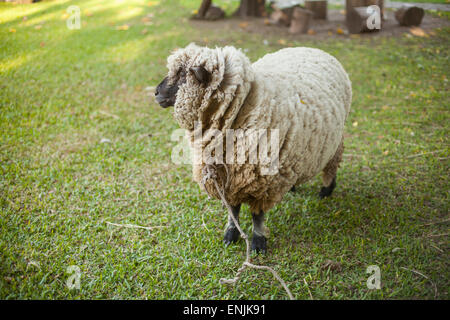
(303, 92)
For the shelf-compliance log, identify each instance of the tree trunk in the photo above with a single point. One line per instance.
(251, 8)
(300, 20)
(409, 15)
(319, 8)
(203, 8)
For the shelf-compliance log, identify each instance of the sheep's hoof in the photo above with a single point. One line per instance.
(259, 244)
(327, 191)
(231, 235)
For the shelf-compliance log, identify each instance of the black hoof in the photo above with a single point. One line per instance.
(293, 189)
(327, 191)
(259, 244)
(231, 235)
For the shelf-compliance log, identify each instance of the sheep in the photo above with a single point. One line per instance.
(302, 94)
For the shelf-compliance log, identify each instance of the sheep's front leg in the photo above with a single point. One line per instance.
(232, 232)
(259, 241)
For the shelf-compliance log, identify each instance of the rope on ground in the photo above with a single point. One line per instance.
(210, 173)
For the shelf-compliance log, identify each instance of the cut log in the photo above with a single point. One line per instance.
(251, 8)
(318, 8)
(409, 15)
(300, 20)
(349, 4)
(360, 20)
(282, 14)
(279, 17)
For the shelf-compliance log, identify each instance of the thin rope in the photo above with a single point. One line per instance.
(210, 173)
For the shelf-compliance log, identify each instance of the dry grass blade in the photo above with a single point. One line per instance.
(132, 226)
(421, 274)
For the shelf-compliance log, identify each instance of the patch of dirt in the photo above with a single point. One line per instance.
(333, 27)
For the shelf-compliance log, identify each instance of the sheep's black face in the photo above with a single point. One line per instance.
(166, 91)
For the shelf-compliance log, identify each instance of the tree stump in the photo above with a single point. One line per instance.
(318, 8)
(251, 8)
(359, 21)
(300, 20)
(214, 13)
(409, 15)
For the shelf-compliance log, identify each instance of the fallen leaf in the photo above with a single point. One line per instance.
(418, 32)
(12, 30)
(124, 27)
(87, 13)
(65, 16)
(330, 33)
(39, 26)
(145, 19)
(243, 25)
(385, 107)
(355, 124)
(386, 152)
(311, 32)
(42, 44)
(144, 31)
(25, 18)
(153, 3)
(266, 22)
(339, 31)
(342, 12)
(282, 42)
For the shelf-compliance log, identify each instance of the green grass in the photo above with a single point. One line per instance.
(63, 91)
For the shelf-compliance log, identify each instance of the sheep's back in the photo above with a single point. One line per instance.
(306, 94)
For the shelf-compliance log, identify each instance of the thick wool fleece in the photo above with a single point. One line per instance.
(304, 93)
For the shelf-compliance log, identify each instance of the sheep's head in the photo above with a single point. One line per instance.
(166, 91)
(201, 83)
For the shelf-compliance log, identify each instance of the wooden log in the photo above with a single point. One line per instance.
(318, 8)
(279, 17)
(300, 20)
(282, 14)
(358, 21)
(409, 15)
(349, 4)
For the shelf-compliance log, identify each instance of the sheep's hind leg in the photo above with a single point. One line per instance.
(259, 241)
(329, 173)
(232, 232)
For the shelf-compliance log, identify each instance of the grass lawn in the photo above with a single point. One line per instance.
(63, 92)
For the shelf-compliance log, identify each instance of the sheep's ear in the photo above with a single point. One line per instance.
(201, 74)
